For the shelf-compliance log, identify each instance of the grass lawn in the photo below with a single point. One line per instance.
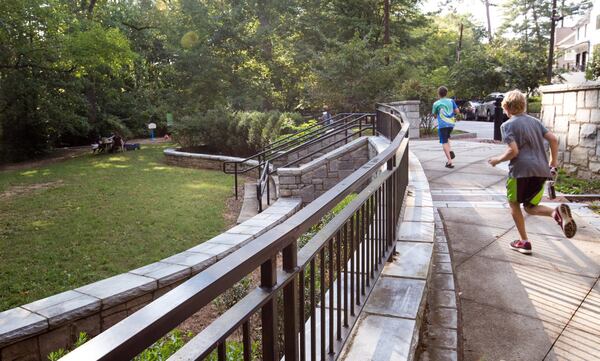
(71, 223)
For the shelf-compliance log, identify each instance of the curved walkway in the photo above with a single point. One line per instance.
(511, 306)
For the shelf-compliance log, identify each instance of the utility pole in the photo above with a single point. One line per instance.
(555, 18)
(489, 21)
(459, 49)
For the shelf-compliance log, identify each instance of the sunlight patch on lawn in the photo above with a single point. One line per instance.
(110, 165)
(29, 173)
(118, 159)
(203, 185)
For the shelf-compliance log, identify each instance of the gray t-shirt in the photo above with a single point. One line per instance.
(528, 132)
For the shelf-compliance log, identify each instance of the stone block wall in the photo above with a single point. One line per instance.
(410, 108)
(572, 112)
(311, 180)
(200, 161)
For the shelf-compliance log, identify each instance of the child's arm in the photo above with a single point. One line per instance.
(553, 141)
(511, 152)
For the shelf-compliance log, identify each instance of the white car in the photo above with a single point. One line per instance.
(486, 109)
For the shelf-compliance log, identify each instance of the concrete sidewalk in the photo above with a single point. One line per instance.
(513, 307)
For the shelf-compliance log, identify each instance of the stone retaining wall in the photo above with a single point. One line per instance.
(201, 161)
(572, 111)
(410, 108)
(315, 178)
(32, 331)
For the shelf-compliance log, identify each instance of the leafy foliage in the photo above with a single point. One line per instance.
(593, 68)
(240, 133)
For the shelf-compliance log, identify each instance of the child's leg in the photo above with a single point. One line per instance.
(446, 147)
(539, 210)
(515, 211)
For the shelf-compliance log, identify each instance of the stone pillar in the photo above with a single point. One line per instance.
(411, 110)
(572, 112)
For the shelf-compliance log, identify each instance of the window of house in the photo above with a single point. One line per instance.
(577, 59)
(583, 59)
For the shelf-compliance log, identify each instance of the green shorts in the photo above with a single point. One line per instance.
(528, 191)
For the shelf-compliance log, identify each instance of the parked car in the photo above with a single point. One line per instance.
(468, 108)
(486, 109)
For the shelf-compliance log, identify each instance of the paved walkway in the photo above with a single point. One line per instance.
(513, 307)
(484, 130)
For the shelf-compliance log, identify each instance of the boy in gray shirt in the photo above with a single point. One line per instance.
(528, 169)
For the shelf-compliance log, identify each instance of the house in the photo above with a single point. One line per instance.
(575, 45)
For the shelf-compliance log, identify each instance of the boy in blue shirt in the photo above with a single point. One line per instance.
(445, 109)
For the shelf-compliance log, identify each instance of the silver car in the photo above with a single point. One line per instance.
(486, 109)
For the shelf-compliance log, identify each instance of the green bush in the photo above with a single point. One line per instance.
(224, 131)
(534, 107)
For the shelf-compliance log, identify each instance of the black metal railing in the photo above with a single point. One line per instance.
(263, 184)
(343, 125)
(319, 289)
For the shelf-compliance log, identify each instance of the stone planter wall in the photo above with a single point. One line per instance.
(572, 112)
(200, 161)
(410, 108)
(315, 178)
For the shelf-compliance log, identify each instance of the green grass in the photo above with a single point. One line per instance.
(572, 185)
(101, 215)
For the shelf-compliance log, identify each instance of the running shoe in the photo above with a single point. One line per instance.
(562, 216)
(521, 246)
(449, 165)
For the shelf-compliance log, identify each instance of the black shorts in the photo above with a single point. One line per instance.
(528, 191)
(444, 134)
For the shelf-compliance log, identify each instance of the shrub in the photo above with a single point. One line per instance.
(224, 131)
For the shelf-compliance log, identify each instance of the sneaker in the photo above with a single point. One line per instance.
(562, 216)
(521, 246)
(449, 165)
(452, 155)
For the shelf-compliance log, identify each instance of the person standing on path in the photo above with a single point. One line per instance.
(445, 109)
(327, 119)
(529, 169)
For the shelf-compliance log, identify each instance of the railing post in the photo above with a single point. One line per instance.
(268, 279)
(290, 303)
(235, 168)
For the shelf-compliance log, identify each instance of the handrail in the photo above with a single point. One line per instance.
(294, 141)
(324, 135)
(217, 332)
(138, 331)
(262, 184)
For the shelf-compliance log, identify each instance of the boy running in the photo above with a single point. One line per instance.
(528, 169)
(445, 109)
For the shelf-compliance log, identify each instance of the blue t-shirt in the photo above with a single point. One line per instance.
(444, 109)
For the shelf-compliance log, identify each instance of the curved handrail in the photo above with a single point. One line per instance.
(296, 144)
(295, 141)
(139, 330)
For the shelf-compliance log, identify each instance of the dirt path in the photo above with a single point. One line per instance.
(62, 154)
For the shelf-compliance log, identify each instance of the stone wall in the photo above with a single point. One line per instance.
(410, 108)
(572, 112)
(315, 178)
(198, 160)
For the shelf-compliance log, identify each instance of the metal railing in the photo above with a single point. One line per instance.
(263, 184)
(294, 143)
(322, 287)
